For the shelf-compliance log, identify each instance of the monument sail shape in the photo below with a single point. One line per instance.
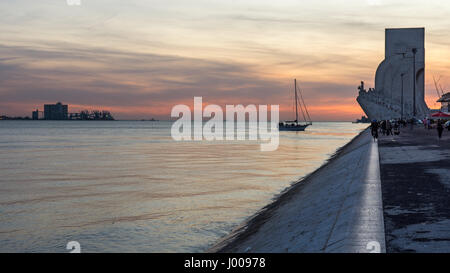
(400, 78)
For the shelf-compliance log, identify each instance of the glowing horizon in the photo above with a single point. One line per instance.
(138, 59)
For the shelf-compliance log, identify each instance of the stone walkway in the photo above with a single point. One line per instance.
(415, 179)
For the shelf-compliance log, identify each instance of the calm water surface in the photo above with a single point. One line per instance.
(126, 186)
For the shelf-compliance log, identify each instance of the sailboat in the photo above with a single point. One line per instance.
(295, 125)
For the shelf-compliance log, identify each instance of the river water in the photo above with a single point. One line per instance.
(126, 186)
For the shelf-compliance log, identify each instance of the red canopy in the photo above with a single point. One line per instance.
(440, 115)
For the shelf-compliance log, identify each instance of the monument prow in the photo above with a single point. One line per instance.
(399, 91)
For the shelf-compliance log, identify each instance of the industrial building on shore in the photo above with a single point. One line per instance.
(60, 111)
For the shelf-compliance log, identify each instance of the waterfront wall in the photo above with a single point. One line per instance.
(337, 208)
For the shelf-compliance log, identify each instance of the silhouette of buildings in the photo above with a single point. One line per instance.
(60, 111)
(91, 115)
(445, 102)
(56, 111)
(35, 115)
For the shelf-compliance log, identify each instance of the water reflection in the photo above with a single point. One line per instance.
(127, 187)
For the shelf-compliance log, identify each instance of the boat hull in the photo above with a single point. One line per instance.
(298, 128)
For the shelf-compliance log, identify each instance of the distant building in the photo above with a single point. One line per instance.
(35, 114)
(60, 111)
(56, 111)
(445, 102)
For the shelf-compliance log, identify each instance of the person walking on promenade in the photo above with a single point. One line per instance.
(396, 128)
(440, 129)
(383, 127)
(374, 129)
(388, 128)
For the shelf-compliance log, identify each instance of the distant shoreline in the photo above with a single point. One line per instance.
(148, 120)
(25, 119)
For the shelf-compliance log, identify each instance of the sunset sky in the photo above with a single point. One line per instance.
(140, 58)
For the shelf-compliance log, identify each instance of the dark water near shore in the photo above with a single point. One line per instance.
(126, 186)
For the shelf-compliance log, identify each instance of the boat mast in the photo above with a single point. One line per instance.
(296, 109)
(306, 109)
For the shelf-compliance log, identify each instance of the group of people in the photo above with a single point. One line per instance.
(440, 124)
(392, 127)
(385, 127)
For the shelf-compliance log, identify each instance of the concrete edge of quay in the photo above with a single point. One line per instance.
(335, 209)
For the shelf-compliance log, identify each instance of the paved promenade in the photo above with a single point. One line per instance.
(338, 208)
(415, 176)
